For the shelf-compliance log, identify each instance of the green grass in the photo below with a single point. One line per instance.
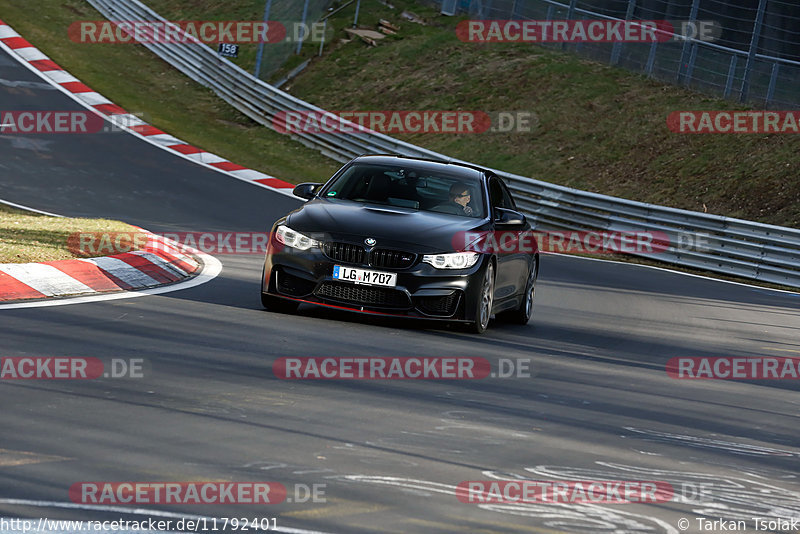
(134, 78)
(27, 237)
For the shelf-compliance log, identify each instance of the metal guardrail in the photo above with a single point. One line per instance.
(730, 246)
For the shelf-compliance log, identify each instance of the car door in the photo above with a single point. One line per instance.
(521, 261)
(512, 262)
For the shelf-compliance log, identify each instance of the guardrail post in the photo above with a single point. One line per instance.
(358, 8)
(751, 55)
(260, 53)
(571, 9)
(687, 43)
(773, 80)
(731, 76)
(690, 67)
(302, 28)
(570, 15)
(448, 7)
(324, 28)
(616, 49)
(651, 59)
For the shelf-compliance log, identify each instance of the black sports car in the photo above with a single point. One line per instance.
(394, 235)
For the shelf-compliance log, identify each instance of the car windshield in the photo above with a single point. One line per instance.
(454, 193)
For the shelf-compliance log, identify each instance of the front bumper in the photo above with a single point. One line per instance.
(422, 291)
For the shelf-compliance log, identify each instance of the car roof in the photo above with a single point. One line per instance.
(422, 164)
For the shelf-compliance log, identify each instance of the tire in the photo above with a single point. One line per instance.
(483, 308)
(279, 305)
(522, 314)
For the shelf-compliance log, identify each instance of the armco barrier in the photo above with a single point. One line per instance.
(730, 246)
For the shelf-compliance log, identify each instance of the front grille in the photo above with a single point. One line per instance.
(379, 258)
(344, 252)
(391, 259)
(293, 286)
(380, 297)
(440, 306)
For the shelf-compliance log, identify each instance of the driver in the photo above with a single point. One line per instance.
(460, 196)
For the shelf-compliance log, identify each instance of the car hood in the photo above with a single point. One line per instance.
(392, 227)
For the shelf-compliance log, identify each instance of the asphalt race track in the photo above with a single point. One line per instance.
(598, 405)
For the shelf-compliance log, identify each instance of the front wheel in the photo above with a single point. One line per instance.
(522, 314)
(483, 310)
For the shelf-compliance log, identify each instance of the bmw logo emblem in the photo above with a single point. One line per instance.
(370, 242)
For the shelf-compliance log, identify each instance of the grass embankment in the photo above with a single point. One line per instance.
(27, 237)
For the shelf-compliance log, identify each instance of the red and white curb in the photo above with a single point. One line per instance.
(48, 70)
(159, 262)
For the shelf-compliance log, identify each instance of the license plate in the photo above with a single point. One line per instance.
(364, 276)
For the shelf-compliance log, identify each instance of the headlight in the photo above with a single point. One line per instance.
(455, 260)
(293, 239)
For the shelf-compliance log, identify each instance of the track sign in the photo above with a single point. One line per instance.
(228, 50)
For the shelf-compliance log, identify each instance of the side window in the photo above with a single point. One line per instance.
(496, 193)
(499, 194)
(508, 200)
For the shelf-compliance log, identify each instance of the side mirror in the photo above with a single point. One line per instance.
(507, 217)
(305, 190)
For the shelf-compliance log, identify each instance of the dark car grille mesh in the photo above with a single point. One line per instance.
(344, 252)
(439, 306)
(391, 259)
(293, 286)
(380, 258)
(367, 296)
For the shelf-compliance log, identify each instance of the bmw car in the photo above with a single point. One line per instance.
(400, 236)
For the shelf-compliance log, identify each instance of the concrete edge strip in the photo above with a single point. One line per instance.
(52, 73)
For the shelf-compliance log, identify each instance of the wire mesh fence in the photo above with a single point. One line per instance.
(297, 16)
(754, 57)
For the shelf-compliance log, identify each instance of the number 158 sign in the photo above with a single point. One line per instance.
(228, 50)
